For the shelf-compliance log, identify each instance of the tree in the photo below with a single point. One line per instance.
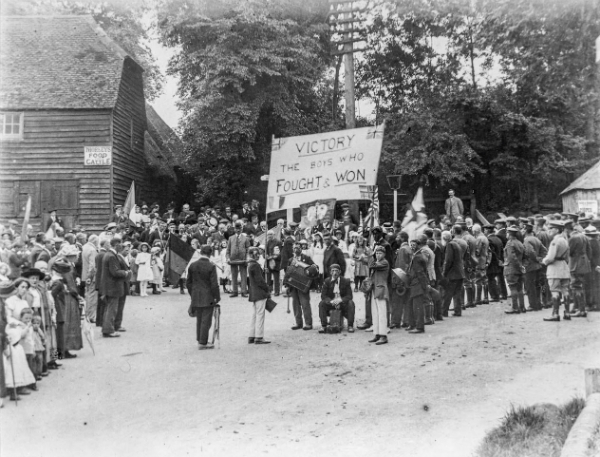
(247, 72)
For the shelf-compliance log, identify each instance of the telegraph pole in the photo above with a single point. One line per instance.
(344, 23)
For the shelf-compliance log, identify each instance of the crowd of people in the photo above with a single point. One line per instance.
(52, 281)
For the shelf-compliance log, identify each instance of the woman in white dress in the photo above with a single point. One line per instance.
(144, 274)
(16, 370)
(158, 267)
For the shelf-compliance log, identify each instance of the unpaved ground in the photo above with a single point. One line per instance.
(152, 393)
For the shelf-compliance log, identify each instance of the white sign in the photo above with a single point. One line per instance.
(325, 165)
(97, 155)
(588, 206)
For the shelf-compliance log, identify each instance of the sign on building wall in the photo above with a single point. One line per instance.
(588, 206)
(97, 155)
(333, 165)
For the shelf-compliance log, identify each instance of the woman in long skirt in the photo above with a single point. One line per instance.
(64, 291)
(379, 274)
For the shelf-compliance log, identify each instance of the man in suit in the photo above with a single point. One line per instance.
(186, 215)
(419, 284)
(287, 250)
(494, 270)
(54, 219)
(246, 211)
(118, 217)
(332, 255)
(203, 287)
(454, 207)
(202, 233)
(336, 294)
(237, 249)
(123, 259)
(104, 246)
(514, 270)
(112, 286)
(482, 247)
(259, 293)
(89, 251)
(401, 314)
(453, 272)
(300, 299)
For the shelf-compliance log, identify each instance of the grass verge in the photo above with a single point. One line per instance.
(532, 431)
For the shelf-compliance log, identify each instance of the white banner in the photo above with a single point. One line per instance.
(588, 206)
(325, 165)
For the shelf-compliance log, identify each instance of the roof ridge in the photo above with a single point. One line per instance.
(578, 183)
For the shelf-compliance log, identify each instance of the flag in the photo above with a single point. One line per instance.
(360, 223)
(415, 219)
(26, 220)
(178, 256)
(372, 219)
(129, 205)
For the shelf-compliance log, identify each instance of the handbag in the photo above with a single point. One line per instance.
(270, 304)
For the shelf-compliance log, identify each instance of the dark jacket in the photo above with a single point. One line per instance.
(417, 274)
(514, 256)
(332, 255)
(258, 290)
(202, 237)
(345, 290)
(99, 270)
(270, 247)
(579, 253)
(287, 252)
(114, 277)
(202, 283)
(535, 251)
(454, 267)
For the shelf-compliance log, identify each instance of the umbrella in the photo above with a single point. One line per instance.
(86, 329)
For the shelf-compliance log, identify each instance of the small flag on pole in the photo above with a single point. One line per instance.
(129, 205)
(26, 219)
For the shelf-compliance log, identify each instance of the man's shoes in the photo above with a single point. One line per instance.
(356, 289)
(23, 391)
(409, 328)
(277, 294)
(33, 387)
(261, 341)
(156, 292)
(566, 316)
(111, 335)
(417, 330)
(512, 311)
(323, 330)
(394, 326)
(68, 355)
(403, 325)
(439, 318)
(370, 329)
(363, 327)
(53, 365)
(251, 340)
(494, 300)
(203, 347)
(350, 329)
(554, 318)
(523, 310)
(308, 327)
(181, 292)
(174, 286)
(429, 322)
(244, 295)
(121, 329)
(382, 340)
(485, 302)
(377, 338)
(296, 327)
(503, 297)
(579, 314)
(45, 373)
(14, 397)
(530, 309)
(233, 295)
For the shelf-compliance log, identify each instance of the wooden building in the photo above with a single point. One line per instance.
(583, 195)
(74, 126)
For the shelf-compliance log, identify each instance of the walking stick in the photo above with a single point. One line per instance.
(12, 369)
(288, 304)
(215, 335)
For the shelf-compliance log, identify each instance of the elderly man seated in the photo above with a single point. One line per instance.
(336, 294)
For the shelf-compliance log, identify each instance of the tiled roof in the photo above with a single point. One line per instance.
(588, 181)
(57, 62)
(163, 148)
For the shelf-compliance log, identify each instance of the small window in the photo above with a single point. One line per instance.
(12, 125)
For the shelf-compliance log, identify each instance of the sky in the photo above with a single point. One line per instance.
(165, 105)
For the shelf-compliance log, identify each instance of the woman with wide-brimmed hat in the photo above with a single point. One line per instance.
(67, 301)
(17, 301)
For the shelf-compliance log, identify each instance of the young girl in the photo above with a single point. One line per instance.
(226, 274)
(18, 376)
(27, 339)
(145, 274)
(361, 256)
(39, 346)
(318, 256)
(135, 284)
(157, 266)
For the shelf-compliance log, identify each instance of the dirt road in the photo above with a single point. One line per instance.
(152, 393)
